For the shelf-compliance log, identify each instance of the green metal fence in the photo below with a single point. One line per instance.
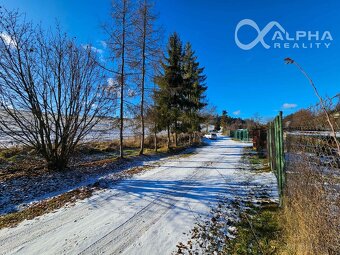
(276, 151)
(240, 134)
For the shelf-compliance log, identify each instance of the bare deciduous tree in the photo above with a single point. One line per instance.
(51, 90)
(120, 43)
(147, 45)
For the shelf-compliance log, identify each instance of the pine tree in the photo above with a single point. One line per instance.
(169, 97)
(180, 97)
(194, 90)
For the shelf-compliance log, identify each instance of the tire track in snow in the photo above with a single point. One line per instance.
(121, 237)
(65, 218)
(18, 239)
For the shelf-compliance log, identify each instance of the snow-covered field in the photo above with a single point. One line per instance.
(105, 130)
(147, 214)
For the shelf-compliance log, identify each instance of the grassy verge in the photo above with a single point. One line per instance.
(258, 231)
(254, 230)
(17, 162)
(133, 153)
(257, 161)
(259, 228)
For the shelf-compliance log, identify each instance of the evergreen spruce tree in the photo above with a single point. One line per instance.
(180, 97)
(193, 91)
(169, 97)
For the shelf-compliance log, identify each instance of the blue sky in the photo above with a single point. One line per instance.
(243, 82)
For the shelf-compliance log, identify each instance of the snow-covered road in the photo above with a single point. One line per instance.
(147, 214)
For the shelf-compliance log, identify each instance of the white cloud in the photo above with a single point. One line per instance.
(289, 106)
(94, 49)
(8, 40)
(238, 112)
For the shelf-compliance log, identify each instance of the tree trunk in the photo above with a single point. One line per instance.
(176, 141)
(169, 141)
(155, 141)
(57, 164)
(122, 80)
(143, 83)
(141, 151)
(121, 122)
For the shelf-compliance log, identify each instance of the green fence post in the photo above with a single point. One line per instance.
(278, 157)
(269, 144)
(281, 153)
(276, 143)
(275, 148)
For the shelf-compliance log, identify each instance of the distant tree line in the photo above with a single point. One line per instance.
(313, 118)
(226, 122)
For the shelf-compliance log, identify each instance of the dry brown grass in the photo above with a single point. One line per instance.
(16, 162)
(130, 143)
(311, 217)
